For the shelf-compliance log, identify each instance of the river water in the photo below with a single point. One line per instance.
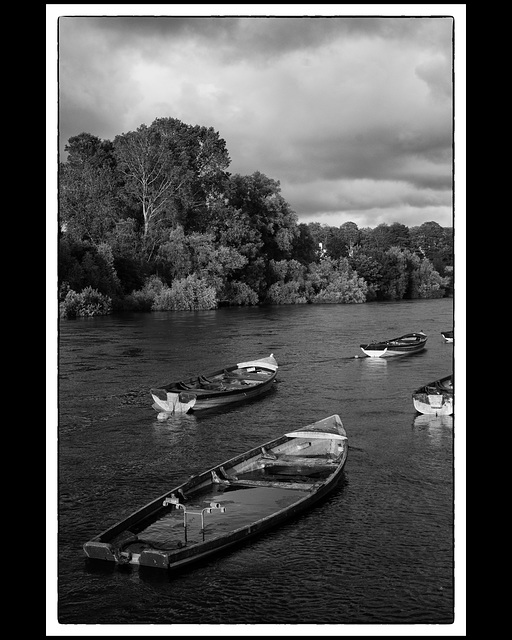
(379, 551)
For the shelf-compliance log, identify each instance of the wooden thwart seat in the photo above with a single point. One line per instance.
(306, 486)
(259, 377)
(290, 460)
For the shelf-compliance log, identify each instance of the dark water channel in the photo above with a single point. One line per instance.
(379, 551)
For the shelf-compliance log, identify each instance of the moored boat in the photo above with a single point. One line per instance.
(403, 345)
(435, 398)
(233, 383)
(231, 502)
(447, 335)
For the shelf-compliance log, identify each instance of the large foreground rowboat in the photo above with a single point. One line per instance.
(404, 345)
(230, 384)
(435, 398)
(230, 502)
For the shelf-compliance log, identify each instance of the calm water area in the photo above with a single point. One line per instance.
(379, 551)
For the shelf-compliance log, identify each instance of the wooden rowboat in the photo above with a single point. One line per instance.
(435, 398)
(234, 383)
(404, 345)
(231, 502)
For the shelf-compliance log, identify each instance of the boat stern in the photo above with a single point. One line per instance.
(99, 551)
(169, 402)
(154, 558)
(433, 404)
(374, 353)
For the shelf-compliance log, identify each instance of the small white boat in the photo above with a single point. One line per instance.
(435, 398)
(404, 345)
(447, 335)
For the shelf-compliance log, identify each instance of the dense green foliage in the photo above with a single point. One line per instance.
(89, 302)
(154, 221)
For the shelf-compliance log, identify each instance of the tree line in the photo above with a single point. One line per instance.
(153, 220)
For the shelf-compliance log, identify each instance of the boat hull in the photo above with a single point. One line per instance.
(404, 345)
(233, 384)
(438, 405)
(172, 403)
(435, 398)
(390, 352)
(247, 496)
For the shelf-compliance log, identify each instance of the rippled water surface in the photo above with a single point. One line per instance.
(380, 550)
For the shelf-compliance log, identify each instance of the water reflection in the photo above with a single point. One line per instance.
(99, 568)
(437, 428)
(177, 423)
(433, 422)
(374, 367)
(375, 362)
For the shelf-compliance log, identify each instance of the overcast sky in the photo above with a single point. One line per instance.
(353, 116)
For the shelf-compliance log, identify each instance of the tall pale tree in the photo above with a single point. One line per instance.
(173, 170)
(150, 162)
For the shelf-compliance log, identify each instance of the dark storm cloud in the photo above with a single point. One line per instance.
(256, 37)
(353, 114)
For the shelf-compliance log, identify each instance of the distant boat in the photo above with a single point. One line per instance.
(404, 345)
(233, 383)
(231, 502)
(447, 335)
(435, 398)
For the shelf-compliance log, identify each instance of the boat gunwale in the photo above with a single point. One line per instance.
(218, 397)
(314, 492)
(395, 346)
(425, 408)
(172, 386)
(420, 337)
(436, 385)
(214, 393)
(223, 540)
